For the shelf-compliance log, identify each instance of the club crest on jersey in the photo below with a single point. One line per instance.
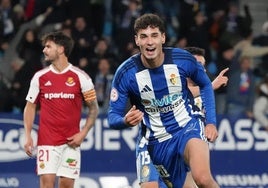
(173, 79)
(70, 81)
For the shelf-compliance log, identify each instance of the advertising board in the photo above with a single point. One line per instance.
(239, 157)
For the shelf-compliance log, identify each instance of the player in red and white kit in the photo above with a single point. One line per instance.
(60, 90)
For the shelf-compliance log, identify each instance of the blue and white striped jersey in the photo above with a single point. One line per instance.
(161, 93)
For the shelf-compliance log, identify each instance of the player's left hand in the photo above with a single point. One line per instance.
(211, 132)
(75, 140)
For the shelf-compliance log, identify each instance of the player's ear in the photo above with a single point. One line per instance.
(61, 49)
(163, 38)
(136, 41)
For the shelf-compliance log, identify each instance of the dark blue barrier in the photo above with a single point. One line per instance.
(239, 158)
(239, 155)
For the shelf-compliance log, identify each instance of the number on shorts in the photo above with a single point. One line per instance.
(145, 157)
(43, 155)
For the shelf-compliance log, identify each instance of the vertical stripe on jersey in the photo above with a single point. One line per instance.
(202, 130)
(175, 86)
(147, 92)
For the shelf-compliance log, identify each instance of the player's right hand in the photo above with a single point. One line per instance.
(28, 147)
(133, 117)
(220, 80)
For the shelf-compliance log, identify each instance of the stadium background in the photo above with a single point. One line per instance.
(238, 158)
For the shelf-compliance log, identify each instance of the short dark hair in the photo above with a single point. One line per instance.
(151, 20)
(61, 39)
(195, 50)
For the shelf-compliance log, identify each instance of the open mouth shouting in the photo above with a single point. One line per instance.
(150, 51)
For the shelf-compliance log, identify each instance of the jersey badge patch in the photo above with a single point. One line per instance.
(173, 79)
(42, 165)
(145, 171)
(114, 95)
(70, 81)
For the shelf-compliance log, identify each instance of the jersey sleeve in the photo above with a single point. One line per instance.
(118, 99)
(87, 88)
(86, 82)
(34, 90)
(200, 77)
(196, 72)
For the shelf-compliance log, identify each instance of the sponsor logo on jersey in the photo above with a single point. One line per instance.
(146, 102)
(146, 89)
(166, 100)
(164, 109)
(70, 81)
(48, 83)
(71, 162)
(60, 95)
(163, 105)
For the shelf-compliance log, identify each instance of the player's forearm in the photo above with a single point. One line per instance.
(207, 95)
(116, 121)
(194, 90)
(27, 128)
(91, 116)
(28, 118)
(215, 84)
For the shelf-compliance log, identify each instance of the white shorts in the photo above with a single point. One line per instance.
(60, 160)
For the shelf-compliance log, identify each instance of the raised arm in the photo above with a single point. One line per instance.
(219, 81)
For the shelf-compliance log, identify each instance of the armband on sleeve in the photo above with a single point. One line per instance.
(89, 95)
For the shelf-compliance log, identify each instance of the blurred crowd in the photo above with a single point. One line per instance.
(104, 38)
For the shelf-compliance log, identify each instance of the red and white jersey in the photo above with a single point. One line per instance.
(60, 96)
